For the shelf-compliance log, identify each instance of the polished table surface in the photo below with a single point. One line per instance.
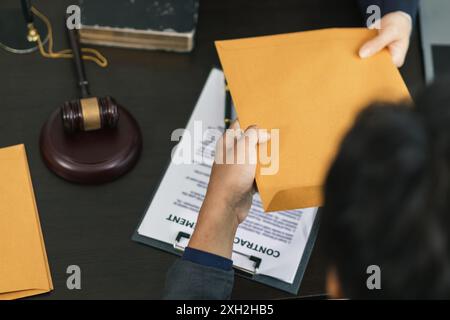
(91, 226)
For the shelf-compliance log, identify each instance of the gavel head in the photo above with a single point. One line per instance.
(89, 114)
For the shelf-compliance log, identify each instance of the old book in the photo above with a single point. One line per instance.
(141, 24)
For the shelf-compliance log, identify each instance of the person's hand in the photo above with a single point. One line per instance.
(230, 190)
(394, 34)
(233, 173)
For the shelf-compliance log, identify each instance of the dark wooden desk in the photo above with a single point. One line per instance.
(91, 226)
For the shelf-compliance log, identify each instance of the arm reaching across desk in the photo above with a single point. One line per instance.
(207, 260)
(272, 249)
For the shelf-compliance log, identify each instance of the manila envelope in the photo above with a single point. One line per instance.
(310, 86)
(24, 268)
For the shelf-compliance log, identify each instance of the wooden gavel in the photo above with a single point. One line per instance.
(87, 113)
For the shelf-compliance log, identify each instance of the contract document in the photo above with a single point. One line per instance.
(275, 240)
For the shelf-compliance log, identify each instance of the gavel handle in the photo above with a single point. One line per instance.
(79, 64)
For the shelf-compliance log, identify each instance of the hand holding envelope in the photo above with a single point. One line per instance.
(310, 86)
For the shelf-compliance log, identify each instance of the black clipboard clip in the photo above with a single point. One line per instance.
(180, 245)
(178, 240)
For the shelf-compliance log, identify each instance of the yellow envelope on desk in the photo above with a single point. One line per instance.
(310, 86)
(24, 268)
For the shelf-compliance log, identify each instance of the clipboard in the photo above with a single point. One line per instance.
(180, 240)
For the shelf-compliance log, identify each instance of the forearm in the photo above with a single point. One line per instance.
(215, 229)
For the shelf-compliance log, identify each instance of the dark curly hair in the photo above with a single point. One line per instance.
(387, 200)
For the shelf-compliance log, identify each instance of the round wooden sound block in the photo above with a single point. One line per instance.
(91, 157)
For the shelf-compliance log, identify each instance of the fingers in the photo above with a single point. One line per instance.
(237, 147)
(384, 38)
(398, 47)
(398, 50)
(231, 134)
(394, 34)
(247, 144)
(263, 136)
(256, 135)
(235, 125)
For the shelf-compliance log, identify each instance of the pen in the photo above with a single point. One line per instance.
(228, 107)
(26, 9)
